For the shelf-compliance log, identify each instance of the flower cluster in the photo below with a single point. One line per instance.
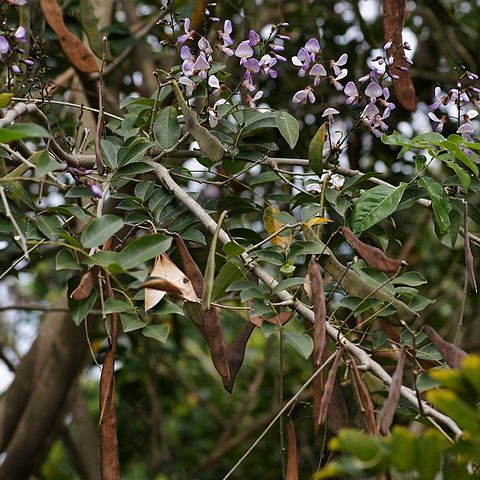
(460, 100)
(255, 56)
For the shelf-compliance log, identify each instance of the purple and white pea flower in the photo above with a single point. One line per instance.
(189, 85)
(251, 101)
(302, 59)
(329, 113)
(188, 61)
(373, 91)
(440, 122)
(335, 81)
(189, 34)
(204, 46)
(215, 84)
(21, 35)
(317, 71)
(302, 96)
(4, 46)
(244, 51)
(253, 38)
(201, 65)
(342, 61)
(266, 65)
(350, 90)
(225, 34)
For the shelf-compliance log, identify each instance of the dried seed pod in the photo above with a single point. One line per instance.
(291, 472)
(468, 250)
(373, 256)
(365, 400)
(86, 285)
(452, 354)
(190, 266)
(216, 341)
(320, 312)
(390, 405)
(236, 354)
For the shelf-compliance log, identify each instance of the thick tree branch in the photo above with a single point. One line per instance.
(365, 359)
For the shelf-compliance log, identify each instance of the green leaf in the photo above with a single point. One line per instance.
(89, 25)
(112, 305)
(80, 309)
(5, 99)
(228, 274)
(143, 249)
(374, 205)
(288, 283)
(440, 203)
(232, 249)
(157, 332)
(51, 227)
(130, 322)
(460, 155)
(288, 127)
(166, 128)
(301, 342)
(428, 460)
(65, 260)
(100, 230)
(315, 151)
(17, 131)
(144, 190)
(463, 176)
(109, 152)
(44, 163)
(403, 446)
(412, 279)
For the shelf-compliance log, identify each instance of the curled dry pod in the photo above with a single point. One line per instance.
(291, 472)
(452, 354)
(280, 319)
(365, 400)
(319, 310)
(86, 285)
(236, 354)
(216, 340)
(337, 410)
(190, 266)
(390, 405)
(373, 256)
(468, 250)
(328, 390)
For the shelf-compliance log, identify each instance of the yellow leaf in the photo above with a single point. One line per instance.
(317, 221)
(272, 225)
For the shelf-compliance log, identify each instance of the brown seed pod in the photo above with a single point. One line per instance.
(452, 354)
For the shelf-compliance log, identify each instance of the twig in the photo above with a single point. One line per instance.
(8, 213)
(280, 413)
(164, 176)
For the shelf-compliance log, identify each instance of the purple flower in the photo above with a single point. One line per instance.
(252, 101)
(386, 95)
(472, 76)
(4, 46)
(28, 62)
(188, 33)
(96, 190)
(188, 61)
(214, 83)
(204, 46)
(253, 38)
(21, 35)
(318, 71)
(330, 112)
(280, 58)
(225, 34)
(189, 85)
(266, 65)
(388, 45)
(335, 81)
(244, 50)
(201, 65)
(303, 95)
(276, 48)
(212, 117)
(15, 69)
(17, 2)
(339, 63)
(370, 111)
(312, 46)
(351, 92)
(373, 91)
(439, 121)
(302, 59)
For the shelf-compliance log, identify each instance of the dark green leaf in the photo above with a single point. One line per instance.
(288, 127)
(143, 249)
(100, 230)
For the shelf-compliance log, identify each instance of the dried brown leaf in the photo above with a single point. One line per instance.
(168, 278)
(280, 319)
(373, 256)
(365, 400)
(86, 285)
(394, 15)
(328, 390)
(291, 472)
(81, 57)
(320, 312)
(468, 250)
(390, 405)
(452, 354)
(236, 355)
